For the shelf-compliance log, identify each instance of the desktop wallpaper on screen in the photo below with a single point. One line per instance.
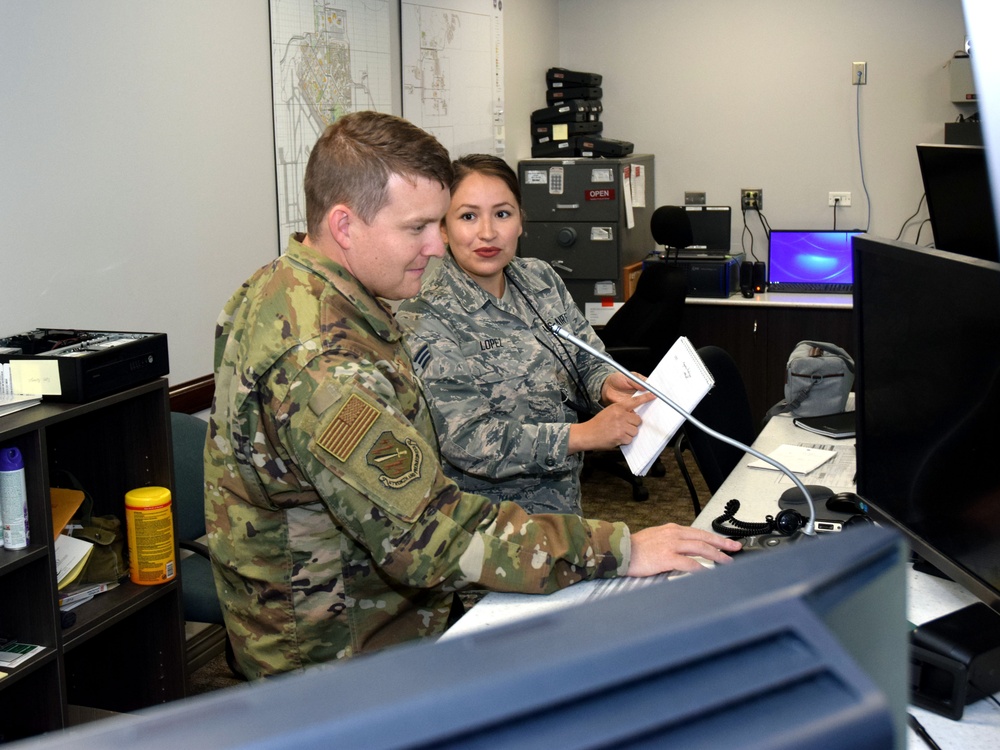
(811, 257)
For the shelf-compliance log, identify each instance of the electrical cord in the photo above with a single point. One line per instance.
(861, 161)
(746, 230)
(920, 229)
(911, 218)
(764, 223)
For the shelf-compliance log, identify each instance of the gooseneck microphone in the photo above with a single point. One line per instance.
(808, 529)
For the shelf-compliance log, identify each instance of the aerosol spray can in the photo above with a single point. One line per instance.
(150, 524)
(13, 499)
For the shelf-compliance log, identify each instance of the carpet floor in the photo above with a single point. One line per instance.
(605, 496)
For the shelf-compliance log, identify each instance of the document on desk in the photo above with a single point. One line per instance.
(683, 378)
(838, 473)
(796, 458)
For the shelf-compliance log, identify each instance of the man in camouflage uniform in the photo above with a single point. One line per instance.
(332, 528)
(505, 389)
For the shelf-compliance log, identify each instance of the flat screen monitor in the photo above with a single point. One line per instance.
(711, 228)
(800, 647)
(959, 201)
(801, 256)
(928, 404)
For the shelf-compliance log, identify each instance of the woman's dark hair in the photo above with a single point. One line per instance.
(491, 166)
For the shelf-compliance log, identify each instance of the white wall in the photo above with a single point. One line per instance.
(137, 165)
(531, 47)
(137, 149)
(729, 94)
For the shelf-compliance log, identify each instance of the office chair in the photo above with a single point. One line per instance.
(637, 336)
(725, 409)
(201, 602)
(671, 227)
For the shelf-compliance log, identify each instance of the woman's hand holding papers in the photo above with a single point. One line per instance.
(661, 549)
(613, 426)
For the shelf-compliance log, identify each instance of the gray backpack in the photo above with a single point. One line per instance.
(818, 379)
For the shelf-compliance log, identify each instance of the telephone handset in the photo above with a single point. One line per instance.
(786, 523)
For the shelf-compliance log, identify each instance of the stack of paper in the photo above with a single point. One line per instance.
(81, 593)
(12, 402)
(683, 378)
(71, 556)
(13, 653)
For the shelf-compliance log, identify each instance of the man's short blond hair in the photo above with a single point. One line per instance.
(353, 160)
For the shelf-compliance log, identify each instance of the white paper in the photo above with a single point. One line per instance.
(638, 186)
(627, 190)
(599, 314)
(682, 377)
(796, 458)
(69, 552)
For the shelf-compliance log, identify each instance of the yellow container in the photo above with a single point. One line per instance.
(150, 524)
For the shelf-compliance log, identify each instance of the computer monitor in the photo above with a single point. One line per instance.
(799, 256)
(711, 228)
(800, 647)
(959, 200)
(928, 404)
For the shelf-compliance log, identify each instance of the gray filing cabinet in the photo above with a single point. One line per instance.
(577, 220)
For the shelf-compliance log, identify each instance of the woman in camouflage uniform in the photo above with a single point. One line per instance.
(506, 392)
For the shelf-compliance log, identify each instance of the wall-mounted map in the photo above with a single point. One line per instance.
(438, 63)
(328, 58)
(453, 72)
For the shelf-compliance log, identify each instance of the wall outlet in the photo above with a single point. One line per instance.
(751, 199)
(859, 73)
(845, 199)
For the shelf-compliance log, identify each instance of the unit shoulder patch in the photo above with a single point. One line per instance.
(399, 461)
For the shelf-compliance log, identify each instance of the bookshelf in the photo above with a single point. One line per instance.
(125, 651)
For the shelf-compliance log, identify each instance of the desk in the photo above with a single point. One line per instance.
(758, 491)
(760, 333)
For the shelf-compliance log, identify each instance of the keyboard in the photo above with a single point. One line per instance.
(810, 288)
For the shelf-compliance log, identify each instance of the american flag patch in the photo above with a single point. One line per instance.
(353, 420)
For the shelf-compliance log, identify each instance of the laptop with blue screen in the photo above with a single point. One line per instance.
(816, 261)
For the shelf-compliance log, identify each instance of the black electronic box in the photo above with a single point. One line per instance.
(76, 366)
(712, 277)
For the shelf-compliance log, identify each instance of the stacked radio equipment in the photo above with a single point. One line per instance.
(570, 124)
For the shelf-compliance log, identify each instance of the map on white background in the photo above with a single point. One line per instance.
(328, 58)
(452, 59)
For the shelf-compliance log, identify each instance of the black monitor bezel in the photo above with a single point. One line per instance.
(919, 544)
(961, 220)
